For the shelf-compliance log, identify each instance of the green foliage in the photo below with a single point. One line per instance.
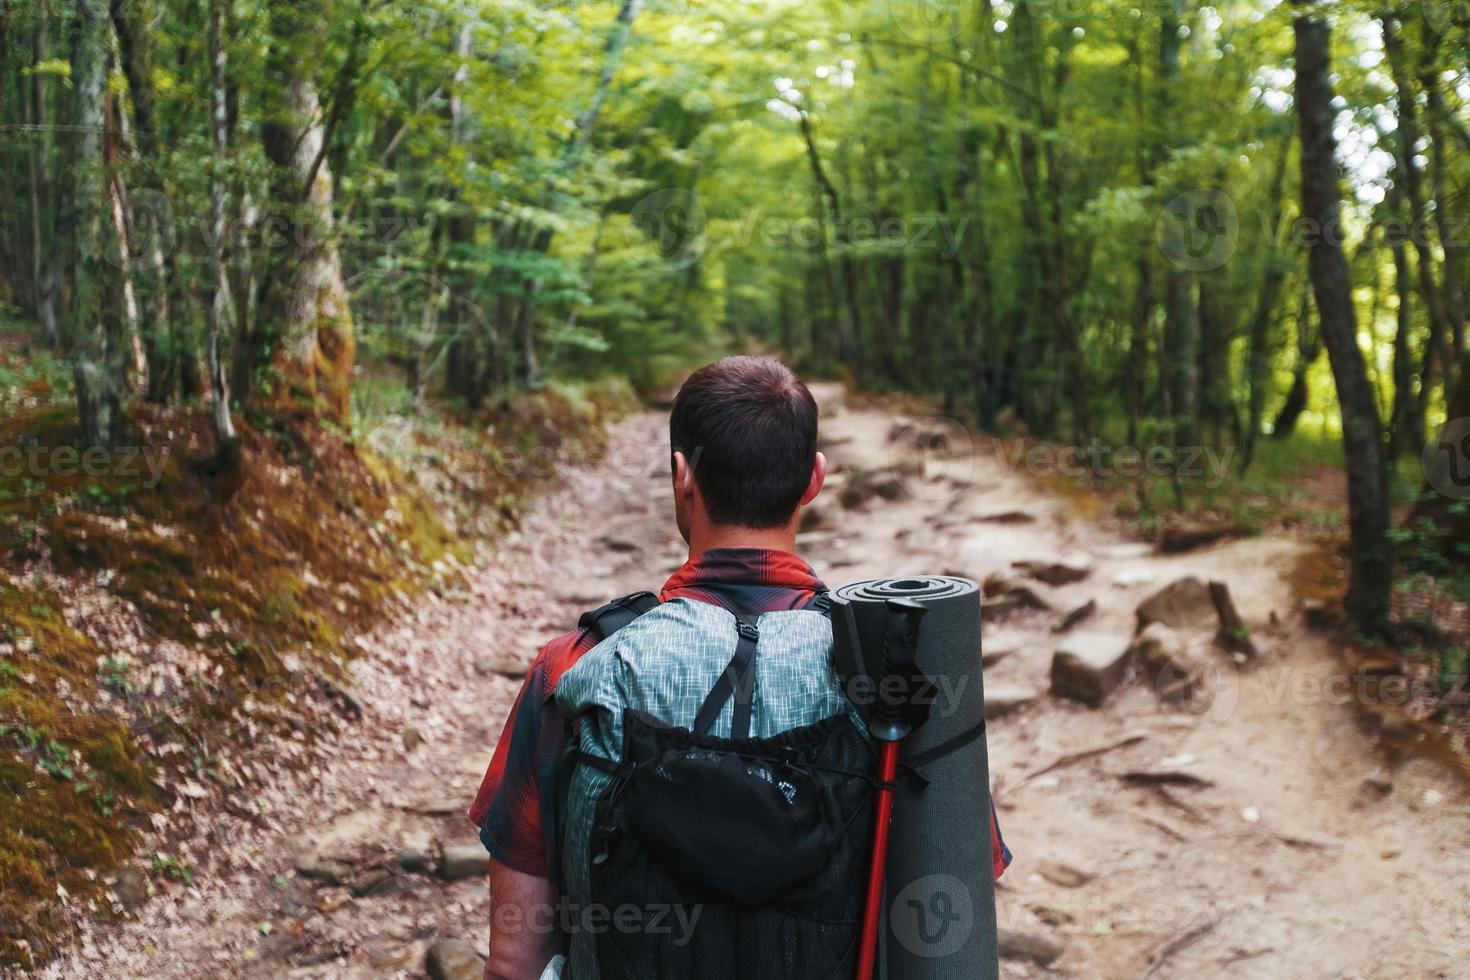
(30, 377)
(1424, 547)
(967, 199)
(172, 867)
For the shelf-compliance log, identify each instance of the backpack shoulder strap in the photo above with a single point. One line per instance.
(821, 603)
(601, 622)
(610, 617)
(737, 681)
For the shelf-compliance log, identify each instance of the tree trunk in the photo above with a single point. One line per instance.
(1407, 150)
(460, 233)
(1406, 426)
(1450, 238)
(978, 338)
(1217, 409)
(1309, 349)
(99, 363)
(1033, 395)
(246, 291)
(243, 237)
(1181, 323)
(1259, 332)
(1059, 285)
(850, 332)
(584, 284)
(1036, 395)
(1138, 347)
(219, 283)
(984, 338)
(1141, 322)
(42, 205)
(313, 345)
(825, 303)
(1368, 598)
(117, 199)
(161, 343)
(525, 334)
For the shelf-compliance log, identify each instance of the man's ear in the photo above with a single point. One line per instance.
(819, 477)
(683, 475)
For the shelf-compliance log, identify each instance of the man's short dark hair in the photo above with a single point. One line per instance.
(748, 427)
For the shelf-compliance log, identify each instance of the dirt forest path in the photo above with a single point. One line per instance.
(1281, 843)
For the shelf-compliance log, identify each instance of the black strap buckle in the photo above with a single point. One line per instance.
(737, 681)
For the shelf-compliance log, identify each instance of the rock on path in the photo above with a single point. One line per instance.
(453, 959)
(1005, 699)
(1182, 604)
(1089, 666)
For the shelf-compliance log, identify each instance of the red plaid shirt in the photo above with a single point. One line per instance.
(519, 787)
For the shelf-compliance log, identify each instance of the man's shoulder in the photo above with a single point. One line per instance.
(562, 652)
(557, 657)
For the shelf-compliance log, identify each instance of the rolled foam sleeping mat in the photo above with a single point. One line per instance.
(940, 888)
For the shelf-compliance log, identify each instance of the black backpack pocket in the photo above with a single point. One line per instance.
(740, 860)
(747, 826)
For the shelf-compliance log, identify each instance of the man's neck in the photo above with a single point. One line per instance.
(727, 536)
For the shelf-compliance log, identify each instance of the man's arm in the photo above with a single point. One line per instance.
(524, 932)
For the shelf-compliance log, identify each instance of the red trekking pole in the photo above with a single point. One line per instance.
(873, 909)
(889, 727)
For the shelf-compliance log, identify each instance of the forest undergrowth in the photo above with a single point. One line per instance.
(166, 623)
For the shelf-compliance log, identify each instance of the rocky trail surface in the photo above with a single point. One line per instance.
(1193, 799)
